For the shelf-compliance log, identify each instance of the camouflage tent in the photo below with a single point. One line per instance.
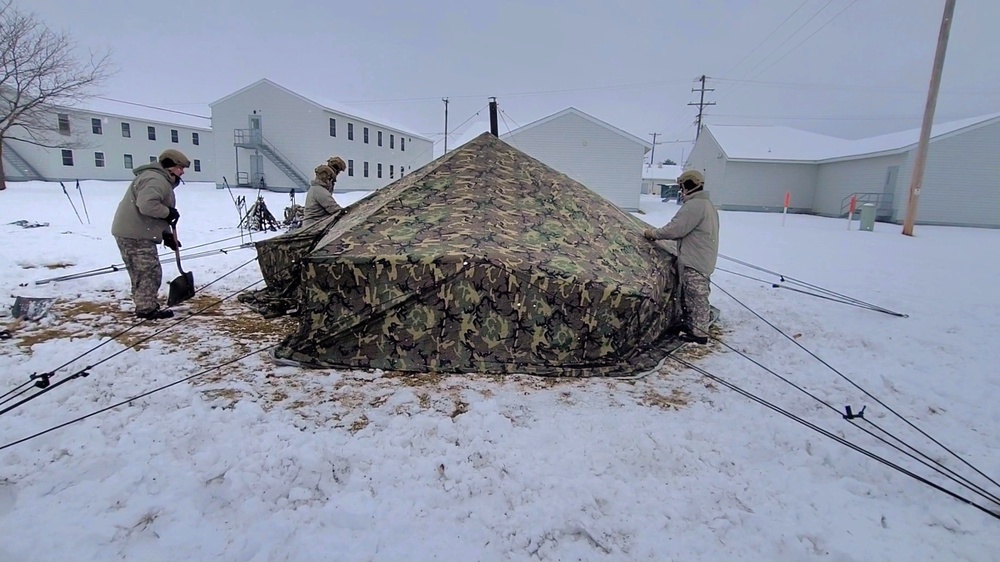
(484, 260)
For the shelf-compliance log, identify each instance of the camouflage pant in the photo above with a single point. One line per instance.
(694, 299)
(144, 269)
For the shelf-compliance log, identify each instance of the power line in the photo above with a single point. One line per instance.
(769, 35)
(153, 107)
(810, 36)
(527, 93)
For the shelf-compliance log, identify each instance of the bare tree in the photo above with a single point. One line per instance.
(40, 71)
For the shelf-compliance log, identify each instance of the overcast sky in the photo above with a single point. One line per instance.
(846, 67)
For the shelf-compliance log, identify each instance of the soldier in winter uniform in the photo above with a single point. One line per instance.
(695, 227)
(142, 221)
(319, 199)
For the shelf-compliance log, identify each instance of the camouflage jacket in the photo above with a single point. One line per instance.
(319, 203)
(142, 212)
(695, 227)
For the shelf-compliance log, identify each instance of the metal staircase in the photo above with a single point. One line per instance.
(27, 171)
(882, 202)
(252, 139)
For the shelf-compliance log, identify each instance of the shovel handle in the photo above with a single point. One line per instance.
(177, 251)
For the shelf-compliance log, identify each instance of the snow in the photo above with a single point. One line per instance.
(788, 144)
(259, 462)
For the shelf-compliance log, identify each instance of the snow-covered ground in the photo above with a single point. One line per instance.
(258, 462)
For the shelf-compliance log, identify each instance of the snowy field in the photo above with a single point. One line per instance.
(257, 462)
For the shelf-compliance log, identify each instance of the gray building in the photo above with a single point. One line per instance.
(752, 168)
(268, 135)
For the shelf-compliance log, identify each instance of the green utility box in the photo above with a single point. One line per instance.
(868, 217)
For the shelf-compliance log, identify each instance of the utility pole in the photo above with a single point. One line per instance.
(494, 126)
(652, 154)
(445, 100)
(702, 104)
(925, 130)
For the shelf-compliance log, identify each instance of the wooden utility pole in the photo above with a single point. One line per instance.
(702, 104)
(494, 126)
(445, 100)
(652, 154)
(925, 130)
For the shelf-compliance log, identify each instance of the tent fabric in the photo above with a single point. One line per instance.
(485, 260)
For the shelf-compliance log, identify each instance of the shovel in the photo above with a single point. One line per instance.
(25, 308)
(181, 288)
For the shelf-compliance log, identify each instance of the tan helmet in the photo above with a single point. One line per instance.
(172, 157)
(337, 163)
(693, 176)
(325, 173)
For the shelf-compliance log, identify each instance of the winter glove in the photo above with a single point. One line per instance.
(649, 233)
(169, 240)
(173, 215)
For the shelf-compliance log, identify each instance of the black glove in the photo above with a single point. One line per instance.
(173, 215)
(169, 240)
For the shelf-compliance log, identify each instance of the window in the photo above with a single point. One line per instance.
(366, 169)
(392, 139)
(195, 140)
(96, 126)
(333, 127)
(99, 159)
(379, 170)
(152, 159)
(402, 148)
(366, 135)
(380, 138)
(391, 172)
(151, 132)
(174, 136)
(67, 156)
(350, 131)
(64, 124)
(126, 131)
(197, 165)
(128, 161)
(350, 163)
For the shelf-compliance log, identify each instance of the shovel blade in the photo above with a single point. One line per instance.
(31, 308)
(181, 289)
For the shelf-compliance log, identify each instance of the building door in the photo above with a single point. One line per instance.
(256, 170)
(888, 192)
(255, 134)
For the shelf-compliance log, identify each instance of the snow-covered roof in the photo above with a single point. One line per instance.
(666, 173)
(329, 105)
(577, 112)
(775, 143)
(778, 143)
(117, 108)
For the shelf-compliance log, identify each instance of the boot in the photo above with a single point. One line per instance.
(155, 314)
(694, 336)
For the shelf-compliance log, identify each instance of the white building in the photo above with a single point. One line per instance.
(269, 135)
(653, 177)
(106, 140)
(752, 168)
(600, 156)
